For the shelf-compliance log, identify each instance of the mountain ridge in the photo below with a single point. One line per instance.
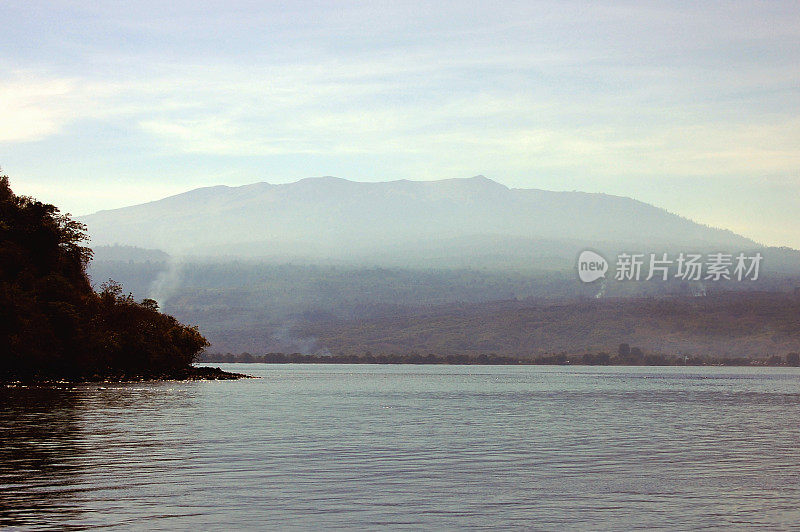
(329, 216)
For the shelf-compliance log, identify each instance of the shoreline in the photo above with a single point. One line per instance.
(511, 364)
(484, 360)
(200, 373)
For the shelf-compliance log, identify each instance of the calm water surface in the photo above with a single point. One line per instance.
(444, 447)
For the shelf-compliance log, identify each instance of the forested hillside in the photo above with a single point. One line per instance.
(53, 325)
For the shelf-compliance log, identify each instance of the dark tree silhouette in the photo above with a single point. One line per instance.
(53, 324)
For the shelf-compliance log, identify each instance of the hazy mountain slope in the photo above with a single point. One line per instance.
(727, 324)
(334, 218)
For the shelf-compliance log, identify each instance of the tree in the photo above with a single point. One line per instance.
(53, 324)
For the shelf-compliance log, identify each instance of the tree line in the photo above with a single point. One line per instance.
(625, 356)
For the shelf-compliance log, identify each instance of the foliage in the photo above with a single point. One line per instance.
(52, 323)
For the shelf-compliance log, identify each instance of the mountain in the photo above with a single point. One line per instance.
(291, 266)
(436, 222)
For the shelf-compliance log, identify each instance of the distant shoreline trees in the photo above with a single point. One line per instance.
(53, 325)
(629, 357)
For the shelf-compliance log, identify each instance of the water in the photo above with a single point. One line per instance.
(444, 447)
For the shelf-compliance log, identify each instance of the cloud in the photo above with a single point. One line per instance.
(413, 104)
(30, 109)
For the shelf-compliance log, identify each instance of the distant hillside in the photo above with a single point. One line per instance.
(461, 222)
(128, 254)
(138, 269)
(257, 307)
(755, 325)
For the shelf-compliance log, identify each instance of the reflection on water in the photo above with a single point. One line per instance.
(39, 458)
(409, 446)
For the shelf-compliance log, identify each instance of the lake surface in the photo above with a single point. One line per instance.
(444, 447)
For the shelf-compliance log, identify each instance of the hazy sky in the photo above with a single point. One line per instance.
(692, 106)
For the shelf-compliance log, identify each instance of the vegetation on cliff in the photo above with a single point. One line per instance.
(53, 325)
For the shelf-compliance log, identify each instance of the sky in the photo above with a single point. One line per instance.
(690, 106)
